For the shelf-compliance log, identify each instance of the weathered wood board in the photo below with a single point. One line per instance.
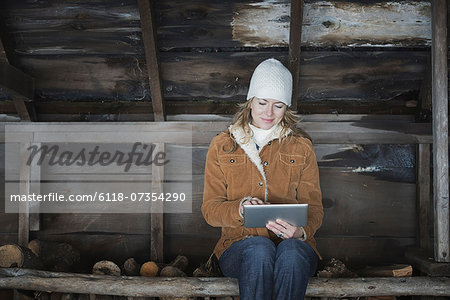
(371, 185)
(102, 47)
(324, 76)
(85, 27)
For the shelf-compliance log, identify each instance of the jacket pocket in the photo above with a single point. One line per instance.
(291, 165)
(292, 160)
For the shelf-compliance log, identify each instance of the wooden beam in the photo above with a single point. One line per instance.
(440, 130)
(206, 286)
(2, 52)
(193, 24)
(424, 106)
(424, 194)
(152, 57)
(7, 45)
(423, 262)
(295, 40)
(157, 209)
(14, 82)
(20, 87)
(332, 23)
(124, 110)
(321, 132)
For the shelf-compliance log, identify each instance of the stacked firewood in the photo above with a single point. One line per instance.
(41, 255)
(176, 268)
(334, 268)
(130, 267)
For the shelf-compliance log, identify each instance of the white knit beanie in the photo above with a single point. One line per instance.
(271, 80)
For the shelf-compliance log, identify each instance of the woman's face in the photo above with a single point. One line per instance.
(266, 112)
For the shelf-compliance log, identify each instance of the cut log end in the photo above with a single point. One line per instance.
(11, 256)
(15, 256)
(170, 271)
(181, 262)
(106, 267)
(55, 256)
(149, 269)
(131, 267)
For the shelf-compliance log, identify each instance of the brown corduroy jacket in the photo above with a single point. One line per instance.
(285, 171)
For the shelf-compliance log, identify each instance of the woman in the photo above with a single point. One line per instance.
(263, 158)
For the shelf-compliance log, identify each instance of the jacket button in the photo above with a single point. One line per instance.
(260, 183)
(231, 160)
(266, 163)
(292, 161)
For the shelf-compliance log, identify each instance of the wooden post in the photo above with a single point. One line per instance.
(157, 219)
(152, 58)
(425, 97)
(440, 130)
(35, 187)
(295, 40)
(423, 194)
(24, 189)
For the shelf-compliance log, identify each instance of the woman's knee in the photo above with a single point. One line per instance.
(295, 252)
(260, 248)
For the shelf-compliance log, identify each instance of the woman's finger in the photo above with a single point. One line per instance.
(257, 200)
(279, 230)
(285, 224)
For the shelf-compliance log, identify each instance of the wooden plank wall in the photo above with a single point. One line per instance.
(208, 50)
(352, 61)
(368, 195)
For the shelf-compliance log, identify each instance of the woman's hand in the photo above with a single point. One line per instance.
(250, 201)
(285, 230)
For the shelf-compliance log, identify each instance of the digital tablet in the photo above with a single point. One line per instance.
(259, 215)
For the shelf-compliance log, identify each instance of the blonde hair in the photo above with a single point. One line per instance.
(244, 115)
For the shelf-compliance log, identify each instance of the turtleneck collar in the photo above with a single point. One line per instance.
(262, 136)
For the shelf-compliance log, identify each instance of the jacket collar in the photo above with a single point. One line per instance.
(250, 147)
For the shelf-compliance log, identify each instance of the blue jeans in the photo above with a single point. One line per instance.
(266, 271)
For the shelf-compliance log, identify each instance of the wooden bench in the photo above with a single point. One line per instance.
(212, 286)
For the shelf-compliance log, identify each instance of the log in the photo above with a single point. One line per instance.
(396, 270)
(131, 267)
(149, 269)
(15, 256)
(106, 267)
(335, 269)
(59, 257)
(170, 271)
(14, 278)
(422, 261)
(181, 262)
